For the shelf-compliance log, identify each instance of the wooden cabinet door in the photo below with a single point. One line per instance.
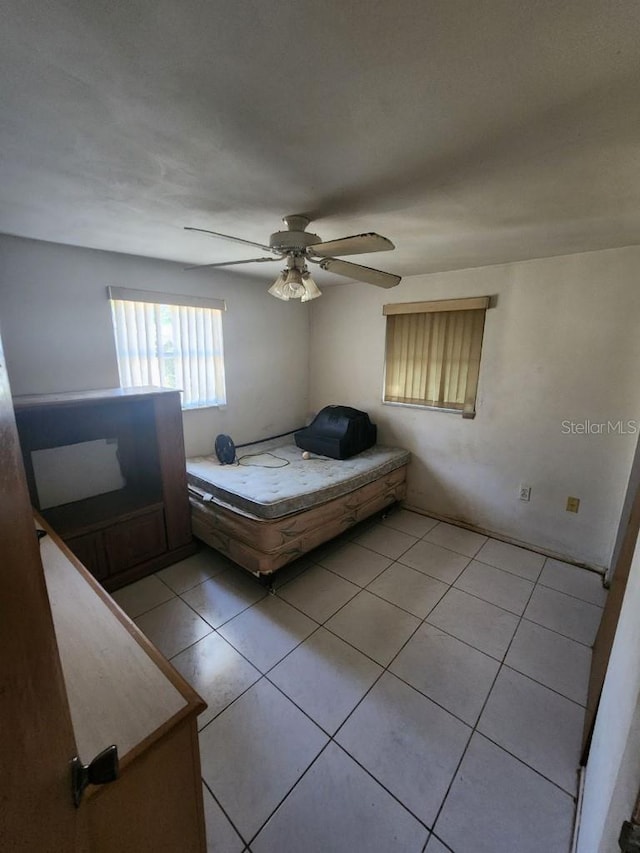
(133, 541)
(89, 549)
(36, 806)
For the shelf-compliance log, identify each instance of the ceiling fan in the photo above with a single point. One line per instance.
(297, 247)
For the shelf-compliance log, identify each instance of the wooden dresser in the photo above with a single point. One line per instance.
(122, 691)
(123, 534)
(76, 676)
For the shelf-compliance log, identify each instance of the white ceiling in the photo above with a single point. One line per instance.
(467, 131)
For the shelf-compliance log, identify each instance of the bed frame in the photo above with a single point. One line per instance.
(264, 545)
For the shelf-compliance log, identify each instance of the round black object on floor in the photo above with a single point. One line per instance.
(225, 449)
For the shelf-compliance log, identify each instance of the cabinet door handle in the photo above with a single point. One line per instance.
(103, 769)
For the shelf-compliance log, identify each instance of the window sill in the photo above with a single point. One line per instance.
(466, 415)
(201, 406)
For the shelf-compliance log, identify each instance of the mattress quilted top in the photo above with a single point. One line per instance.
(270, 480)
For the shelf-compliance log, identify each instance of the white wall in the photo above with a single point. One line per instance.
(613, 769)
(632, 488)
(56, 326)
(561, 344)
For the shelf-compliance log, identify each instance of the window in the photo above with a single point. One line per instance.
(173, 341)
(432, 353)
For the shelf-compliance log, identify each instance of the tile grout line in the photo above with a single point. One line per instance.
(174, 594)
(453, 586)
(571, 595)
(337, 574)
(362, 589)
(504, 539)
(422, 538)
(289, 791)
(199, 583)
(366, 588)
(217, 802)
(385, 668)
(472, 558)
(263, 675)
(437, 837)
(475, 728)
(542, 684)
(424, 620)
(557, 633)
(479, 717)
(521, 761)
(336, 743)
(215, 628)
(519, 616)
(331, 737)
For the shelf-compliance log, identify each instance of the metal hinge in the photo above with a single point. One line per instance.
(629, 841)
(104, 768)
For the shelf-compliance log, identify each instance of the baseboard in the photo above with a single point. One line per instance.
(582, 771)
(494, 534)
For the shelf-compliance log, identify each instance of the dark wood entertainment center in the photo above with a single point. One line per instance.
(122, 535)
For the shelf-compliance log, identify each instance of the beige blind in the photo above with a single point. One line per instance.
(433, 358)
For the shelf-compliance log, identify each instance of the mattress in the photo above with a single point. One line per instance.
(272, 480)
(263, 545)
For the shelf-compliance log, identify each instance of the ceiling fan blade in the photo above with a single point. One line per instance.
(360, 273)
(232, 263)
(229, 237)
(359, 244)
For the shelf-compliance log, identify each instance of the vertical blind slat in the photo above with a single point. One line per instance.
(175, 346)
(433, 358)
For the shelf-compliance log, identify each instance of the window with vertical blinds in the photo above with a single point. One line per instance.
(170, 341)
(432, 355)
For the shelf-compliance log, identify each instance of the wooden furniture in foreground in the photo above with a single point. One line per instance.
(77, 676)
(36, 811)
(121, 535)
(122, 691)
(608, 624)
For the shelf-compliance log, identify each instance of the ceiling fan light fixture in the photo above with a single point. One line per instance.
(293, 280)
(311, 289)
(293, 283)
(278, 289)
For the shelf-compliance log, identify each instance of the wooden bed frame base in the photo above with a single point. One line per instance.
(262, 546)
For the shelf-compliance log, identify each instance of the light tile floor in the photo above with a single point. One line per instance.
(410, 687)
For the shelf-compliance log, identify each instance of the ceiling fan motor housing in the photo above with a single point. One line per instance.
(295, 238)
(292, 241)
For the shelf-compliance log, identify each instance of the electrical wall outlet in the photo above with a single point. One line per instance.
(525, 492)
(573, 504)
